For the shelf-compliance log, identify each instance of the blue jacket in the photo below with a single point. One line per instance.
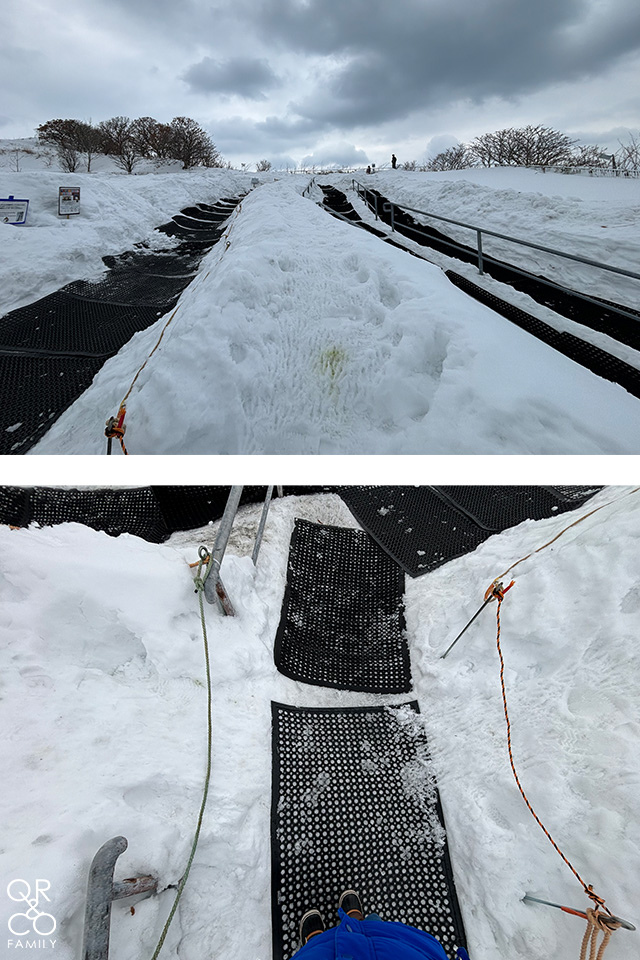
(373, 940)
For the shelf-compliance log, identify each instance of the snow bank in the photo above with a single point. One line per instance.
(103, 710)
(304, 336)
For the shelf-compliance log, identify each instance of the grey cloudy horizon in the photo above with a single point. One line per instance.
(342, 81)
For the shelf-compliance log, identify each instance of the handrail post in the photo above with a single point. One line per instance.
(214, 590)
(375, 197)
(480, 263)
(393, 224)
(261, 525)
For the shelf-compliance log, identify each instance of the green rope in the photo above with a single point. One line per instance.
(199, 585)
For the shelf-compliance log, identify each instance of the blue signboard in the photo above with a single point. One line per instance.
(12, 210)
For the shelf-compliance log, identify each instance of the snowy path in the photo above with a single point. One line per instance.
(104, 709)
(306, 337)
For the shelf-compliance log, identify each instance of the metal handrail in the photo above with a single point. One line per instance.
(482, 257)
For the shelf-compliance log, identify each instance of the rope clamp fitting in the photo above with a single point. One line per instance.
(497, 590)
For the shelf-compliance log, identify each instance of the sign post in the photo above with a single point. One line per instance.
(68, 201)
(13, 211)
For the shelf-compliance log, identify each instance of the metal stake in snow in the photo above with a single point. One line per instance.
(495, 592)
(101, 891)
(577, 913)
(214, 590)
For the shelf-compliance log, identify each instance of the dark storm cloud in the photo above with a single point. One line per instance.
(242, 76)
(394, 58)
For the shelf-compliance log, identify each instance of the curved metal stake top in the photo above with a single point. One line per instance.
(97, 916)
(101, 890)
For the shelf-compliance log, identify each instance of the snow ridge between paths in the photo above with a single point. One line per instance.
(302, 335)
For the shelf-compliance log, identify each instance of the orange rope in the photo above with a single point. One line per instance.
(564, 530)
(588, 889)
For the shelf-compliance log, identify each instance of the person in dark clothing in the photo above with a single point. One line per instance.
(394, 160)
(361, 938)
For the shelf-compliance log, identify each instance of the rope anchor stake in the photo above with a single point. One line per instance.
(115, 429)
(495, 592)
(625, 924)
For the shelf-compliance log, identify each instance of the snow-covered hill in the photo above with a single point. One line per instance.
(317, 338)
(103, 713)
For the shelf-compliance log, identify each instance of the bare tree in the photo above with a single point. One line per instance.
(590, 155)
(262, 166)
(114, 133)
(409, 165)
(192, 145)
(64, 135)
(118, 141)
(152, 139)
(457, 157)
(523, 146)
(88, 141)
(628, 156)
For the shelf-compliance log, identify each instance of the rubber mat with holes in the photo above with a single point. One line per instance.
(424, 527)
(342, 620)
(355, 806)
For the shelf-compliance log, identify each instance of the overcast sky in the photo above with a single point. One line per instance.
(345, 81)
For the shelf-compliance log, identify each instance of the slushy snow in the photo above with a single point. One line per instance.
(103, 713)
(304, 335)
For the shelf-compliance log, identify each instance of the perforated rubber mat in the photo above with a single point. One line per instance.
(355, 806)
(34, 391)
(424, 527)
(342, 619)
(152, 513)
(498, 508)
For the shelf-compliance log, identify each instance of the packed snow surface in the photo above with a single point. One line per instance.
(103, 713)
(304, 335)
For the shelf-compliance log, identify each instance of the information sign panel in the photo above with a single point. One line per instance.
(12, 210)
(68, 201)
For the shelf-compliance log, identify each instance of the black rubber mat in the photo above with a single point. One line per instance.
(63, 323)
(130, 287)
(355, 806)
(152, 513)
(342, 620)
(178, 262)
(424, 527)
(114, 511)
(35, 390)
(498, 508)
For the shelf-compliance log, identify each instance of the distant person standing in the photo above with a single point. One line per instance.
(394, 160)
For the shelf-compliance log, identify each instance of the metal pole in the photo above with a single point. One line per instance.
(101, 890)
(578, 913)
(480, 270)
(261, 525)
(97, 917)
(476, 614)
(213, 584)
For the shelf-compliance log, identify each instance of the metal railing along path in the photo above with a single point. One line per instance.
(482, 258)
